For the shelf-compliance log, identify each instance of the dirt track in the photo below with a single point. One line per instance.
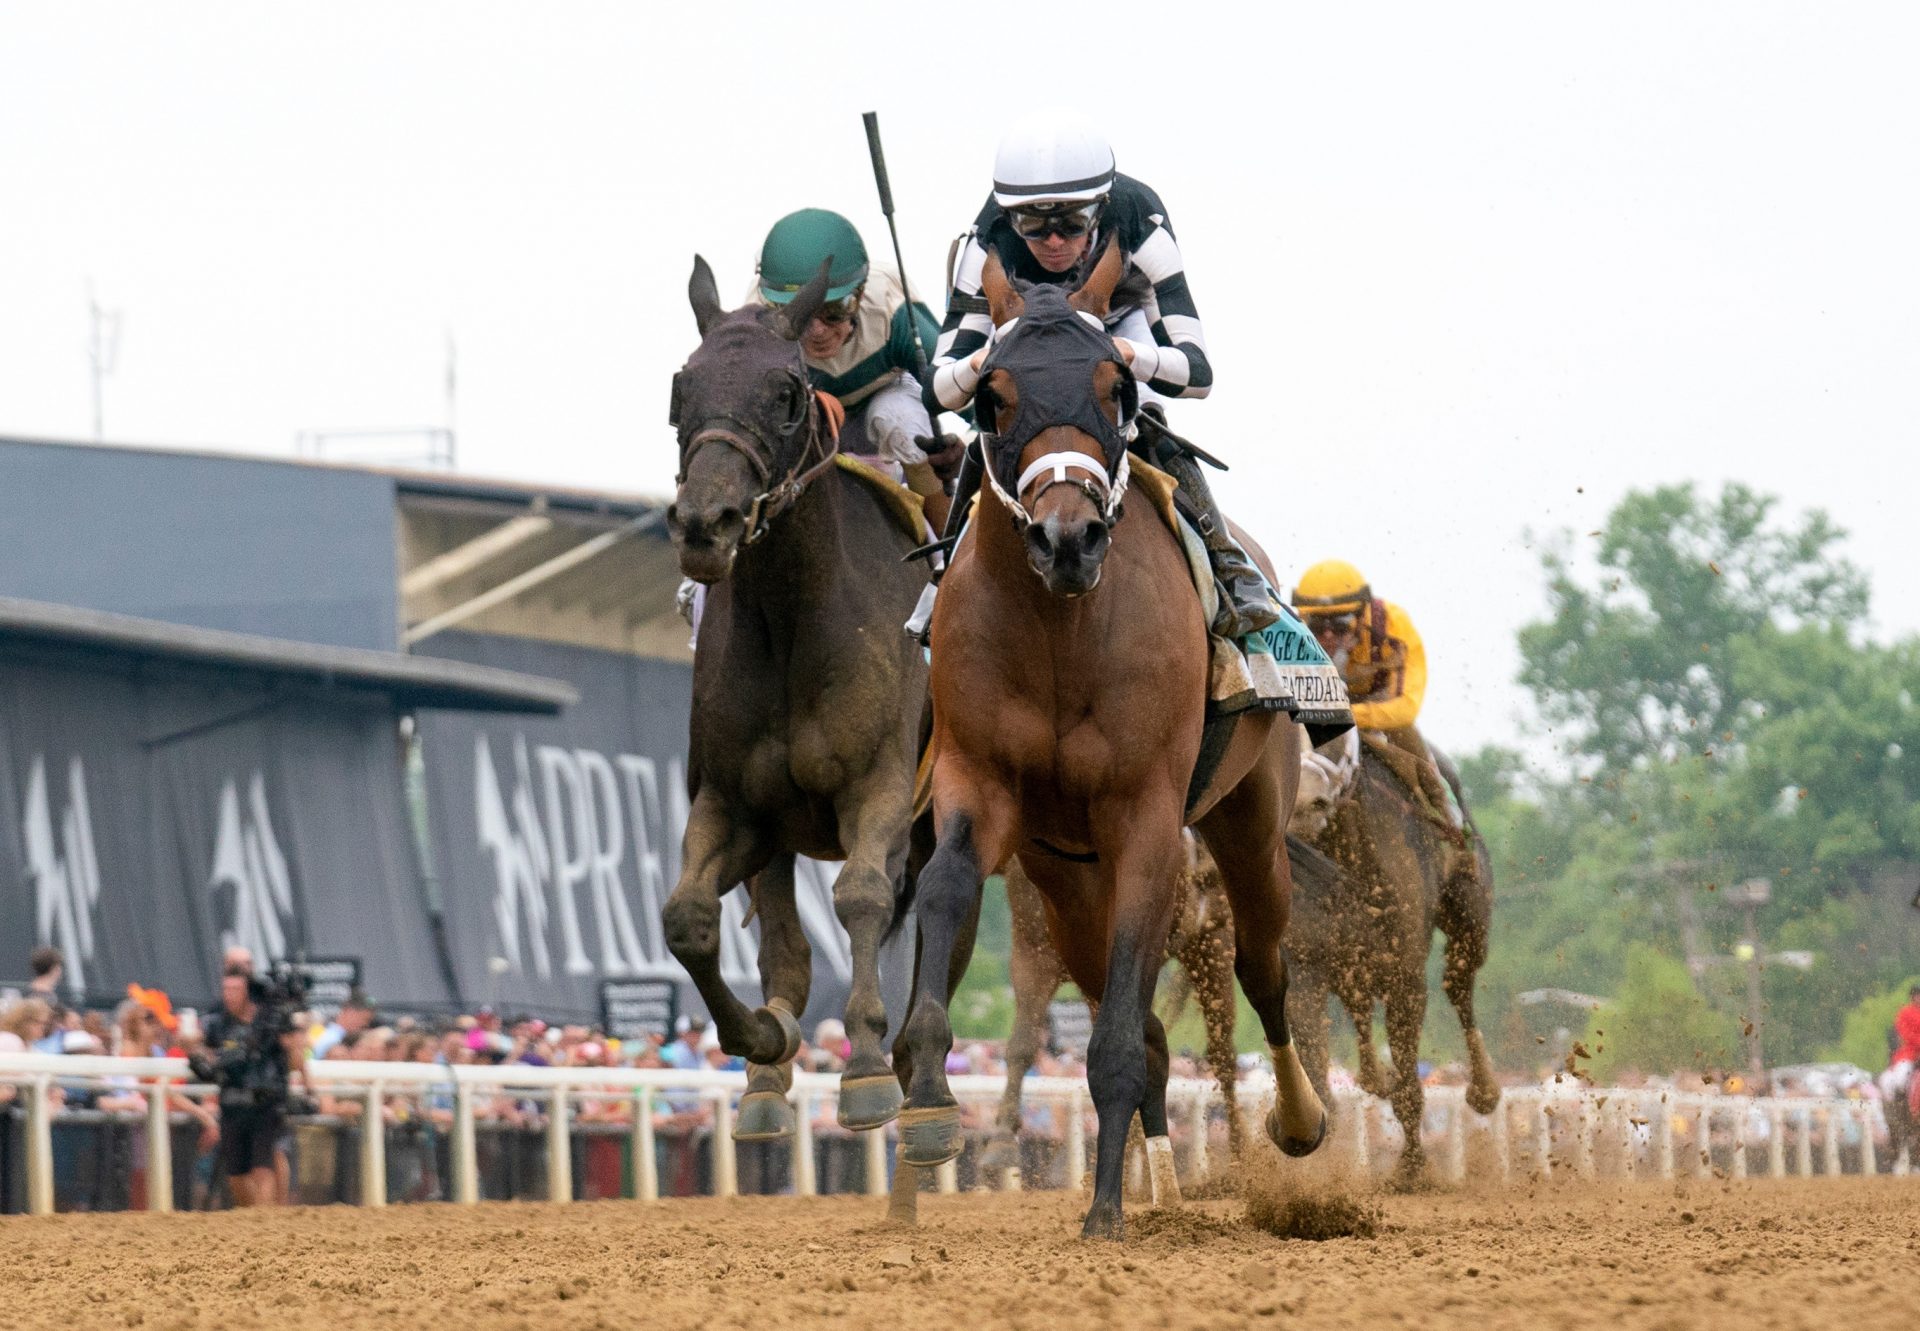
(1818, 1253)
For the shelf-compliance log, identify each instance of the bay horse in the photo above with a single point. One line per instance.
(1201, 941)
(1364, 930)
(1070, 677)
(808, 700)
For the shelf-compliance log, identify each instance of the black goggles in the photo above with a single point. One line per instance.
(1070, 221)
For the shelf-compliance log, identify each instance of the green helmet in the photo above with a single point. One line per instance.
(796, 245)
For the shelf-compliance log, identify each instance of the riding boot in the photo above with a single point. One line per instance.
(966, 485)
(1246, 602)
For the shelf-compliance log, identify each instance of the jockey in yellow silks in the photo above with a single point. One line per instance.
(1378, 649)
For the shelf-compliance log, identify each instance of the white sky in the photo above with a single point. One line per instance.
(1456, 262)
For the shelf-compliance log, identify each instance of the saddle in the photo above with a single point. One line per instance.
(902, 505)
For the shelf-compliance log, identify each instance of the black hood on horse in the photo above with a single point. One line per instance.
(1052, 350)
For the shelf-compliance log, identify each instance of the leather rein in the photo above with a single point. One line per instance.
(822, 445)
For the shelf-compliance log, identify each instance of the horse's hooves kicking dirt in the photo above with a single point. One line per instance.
(1483, 1100)
(1295, 1146)
(764, 1116)
(930, 1137)
(869, 1102)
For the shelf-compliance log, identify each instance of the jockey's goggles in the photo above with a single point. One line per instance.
(1067, 220)
(839, 311)
(1336, 625)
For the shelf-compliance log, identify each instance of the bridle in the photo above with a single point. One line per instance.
(751, 441)
(1051, 395)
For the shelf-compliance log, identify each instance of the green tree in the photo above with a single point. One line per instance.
(1634, 658)
(1863, 1037)
(1658, 1023)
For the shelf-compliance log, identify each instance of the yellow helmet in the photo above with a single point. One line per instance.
(1332, 587)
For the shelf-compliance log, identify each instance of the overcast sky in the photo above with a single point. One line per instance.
(1465, 270)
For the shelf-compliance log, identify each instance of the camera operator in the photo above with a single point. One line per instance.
(250, 1047)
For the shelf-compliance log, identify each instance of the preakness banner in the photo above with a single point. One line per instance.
(148, 822)
(556, 840)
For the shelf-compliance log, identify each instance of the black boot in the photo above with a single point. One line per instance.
(966, 484)
(1246, 602)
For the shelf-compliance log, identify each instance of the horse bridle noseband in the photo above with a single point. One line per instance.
(751, 442)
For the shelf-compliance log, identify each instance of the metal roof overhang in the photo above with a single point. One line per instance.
(413, 681)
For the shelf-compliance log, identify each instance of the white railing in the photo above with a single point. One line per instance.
(1585, 1132)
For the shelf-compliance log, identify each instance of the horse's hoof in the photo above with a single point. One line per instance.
(763, 1116)
(930, 1137)
(1295, 1146)
(1104, 1222)
(1483, 1100)
(789, 1026)
(870, 1102)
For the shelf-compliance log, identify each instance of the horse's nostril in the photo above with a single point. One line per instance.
(1095, 539)
(1040, 543)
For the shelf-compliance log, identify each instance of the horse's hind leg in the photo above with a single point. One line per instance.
(1162, 1176)
(1246, 833)
(1464, 917)
(786, 976)
(1406, 1013)
(717, 853)
(1035, 972)
(1144, 855)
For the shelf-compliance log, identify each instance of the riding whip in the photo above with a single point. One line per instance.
(872, 121)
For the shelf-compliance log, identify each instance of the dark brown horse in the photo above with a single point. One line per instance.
(1364, 930)
(807, 696)
(1069, 691)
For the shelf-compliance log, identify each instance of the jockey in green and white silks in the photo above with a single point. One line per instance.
(860, 347)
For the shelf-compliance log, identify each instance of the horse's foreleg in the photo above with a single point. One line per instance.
(1246, 833)
(716, 854)
(904, 1206)
(1406, 1013)
(948, 903)
(1466, 911)
(1311, 1025)
(1120, 1063)
(1373, 1079)
(874, 822)
(786, 977)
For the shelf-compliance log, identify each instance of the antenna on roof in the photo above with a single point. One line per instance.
(103, 353)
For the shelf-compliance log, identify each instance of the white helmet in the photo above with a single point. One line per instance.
(1052, 157)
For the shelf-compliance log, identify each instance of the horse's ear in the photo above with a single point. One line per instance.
(704, 295)
(1002, 300)
(806, 303)
(1095, 295)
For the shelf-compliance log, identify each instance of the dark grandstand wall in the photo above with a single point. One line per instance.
(273, 548)
(150, 816)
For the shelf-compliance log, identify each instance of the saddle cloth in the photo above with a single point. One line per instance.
(902, 504)
(1277, 669)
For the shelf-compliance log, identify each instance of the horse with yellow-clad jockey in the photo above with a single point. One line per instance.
(1385, 854)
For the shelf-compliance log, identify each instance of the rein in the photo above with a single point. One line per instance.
(775, 497)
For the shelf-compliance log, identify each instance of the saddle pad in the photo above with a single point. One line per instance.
(902, 504)
(1277, 669)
